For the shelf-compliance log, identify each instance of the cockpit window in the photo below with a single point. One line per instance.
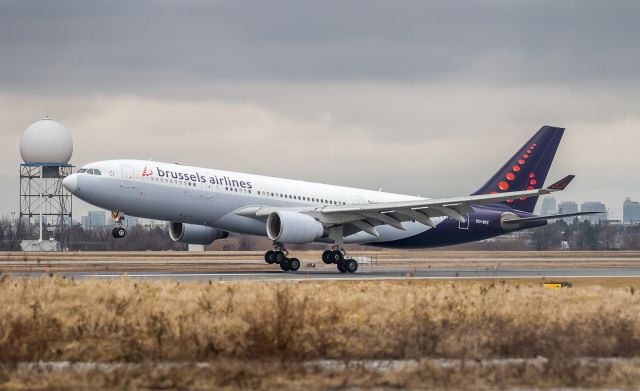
(90, 171)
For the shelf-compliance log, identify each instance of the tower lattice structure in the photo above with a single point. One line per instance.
(42, 194)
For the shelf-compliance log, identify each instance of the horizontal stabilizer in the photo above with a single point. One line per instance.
(543, 218)
(562, 183)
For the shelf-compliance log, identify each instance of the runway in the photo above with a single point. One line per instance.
(244, 266)
(371, 274)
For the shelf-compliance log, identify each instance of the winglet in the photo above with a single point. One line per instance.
(562, 183)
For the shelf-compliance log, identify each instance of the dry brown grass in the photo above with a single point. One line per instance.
(279, 324)
(234, 374)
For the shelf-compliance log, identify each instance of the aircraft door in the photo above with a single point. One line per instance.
(128, 177)
(464, 225)
(207, 189)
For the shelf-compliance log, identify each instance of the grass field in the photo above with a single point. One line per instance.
(264, 334)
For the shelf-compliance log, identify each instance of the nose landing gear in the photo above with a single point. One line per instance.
(118, 232)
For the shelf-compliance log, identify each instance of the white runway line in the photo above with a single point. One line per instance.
(338, 277)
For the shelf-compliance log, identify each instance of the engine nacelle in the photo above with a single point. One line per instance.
(195, 234)
(293, 227)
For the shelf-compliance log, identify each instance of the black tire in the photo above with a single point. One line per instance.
(114, 233)
(294, 264)
(341, 268)
(268, 257)
(285, 265)
(351, 265)
(326, 257)
(121, 233)
(336, 256)
(279, 257)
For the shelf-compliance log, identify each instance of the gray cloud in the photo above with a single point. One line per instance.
(137, 46)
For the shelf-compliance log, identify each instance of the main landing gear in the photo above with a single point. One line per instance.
(118, 232)
(337, 256)
(279, 255)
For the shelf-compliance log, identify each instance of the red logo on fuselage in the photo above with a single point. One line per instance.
(147, 172)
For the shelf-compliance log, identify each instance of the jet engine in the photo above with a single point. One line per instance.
(293, 227)
(195, 234)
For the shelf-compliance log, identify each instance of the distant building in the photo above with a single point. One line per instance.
(549, 206)
(594, 207)
(130, 221)
(68, 222)
(96, 218)
(630, 211)
(151, 224)
(39, 246)
(568, 207)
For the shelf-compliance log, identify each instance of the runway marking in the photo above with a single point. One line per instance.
(338, 277)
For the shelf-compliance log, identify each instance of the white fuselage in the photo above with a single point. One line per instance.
(194, 195)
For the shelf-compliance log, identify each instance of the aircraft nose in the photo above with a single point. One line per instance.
(70, 183)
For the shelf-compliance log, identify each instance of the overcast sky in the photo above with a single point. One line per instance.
(425, 98)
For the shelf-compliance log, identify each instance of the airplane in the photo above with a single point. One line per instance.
(204, 205)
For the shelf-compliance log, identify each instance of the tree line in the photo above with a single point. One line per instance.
(77, 238)
(582, 235)
(579, 235)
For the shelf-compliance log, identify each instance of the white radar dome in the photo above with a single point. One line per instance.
(46, 141)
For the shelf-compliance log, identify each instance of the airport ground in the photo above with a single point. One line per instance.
(416, 320)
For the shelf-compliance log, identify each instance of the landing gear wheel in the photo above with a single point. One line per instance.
(326, 257)
(294, 264)
(350, 265)
(341, 268)
(119, 232)
(285, 265)
(279, 257)
(336, 256)
(269, 257)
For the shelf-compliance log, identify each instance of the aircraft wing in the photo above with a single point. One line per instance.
(364, 217)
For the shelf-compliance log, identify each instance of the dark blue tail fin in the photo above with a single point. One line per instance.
(527, 169)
